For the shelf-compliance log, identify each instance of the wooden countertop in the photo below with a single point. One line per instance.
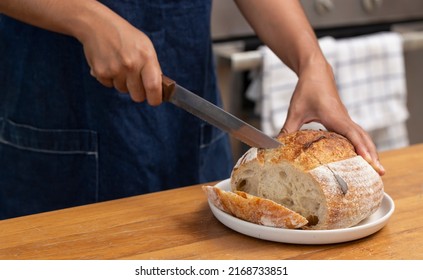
(178, 224)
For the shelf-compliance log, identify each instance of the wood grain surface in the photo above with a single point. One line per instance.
(178, 224)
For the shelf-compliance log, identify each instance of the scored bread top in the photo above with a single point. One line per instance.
(306, 149)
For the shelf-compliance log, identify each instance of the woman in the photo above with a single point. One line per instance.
(70, 137)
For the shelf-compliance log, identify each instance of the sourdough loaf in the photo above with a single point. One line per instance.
(316, 174)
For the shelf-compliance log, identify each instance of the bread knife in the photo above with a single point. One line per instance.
(216, 116)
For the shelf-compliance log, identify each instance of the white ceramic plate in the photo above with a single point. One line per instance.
(365, 228)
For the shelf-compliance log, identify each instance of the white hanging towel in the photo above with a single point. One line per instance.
(370, 75)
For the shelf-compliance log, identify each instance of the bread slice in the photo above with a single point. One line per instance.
(316, 175)
(304, 175)
(254, 209)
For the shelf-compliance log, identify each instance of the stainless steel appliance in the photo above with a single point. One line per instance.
(235, 43)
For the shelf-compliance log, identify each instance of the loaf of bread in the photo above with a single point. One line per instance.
(314, 181)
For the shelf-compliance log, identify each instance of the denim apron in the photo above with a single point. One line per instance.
(66, 140)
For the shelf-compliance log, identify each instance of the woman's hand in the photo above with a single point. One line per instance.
(316, 99)
(119, 55)
(123, 57)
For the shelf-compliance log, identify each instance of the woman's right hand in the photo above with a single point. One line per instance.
(123, 57)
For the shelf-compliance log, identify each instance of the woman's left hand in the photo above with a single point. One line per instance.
(316, 99)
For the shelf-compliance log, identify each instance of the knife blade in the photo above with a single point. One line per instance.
(216, 116)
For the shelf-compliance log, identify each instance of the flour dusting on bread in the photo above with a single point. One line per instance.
(301, 178)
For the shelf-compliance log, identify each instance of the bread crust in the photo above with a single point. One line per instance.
(306, 149)
(254, 209)
(316, 158)
(364, 196)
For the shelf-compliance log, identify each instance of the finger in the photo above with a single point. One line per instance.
(360, 139)
(365, 147)
(371, 156)
(119, 83)
(104, 81)
(151, 76)
(135, 87)
(110, 77)
(291, 124)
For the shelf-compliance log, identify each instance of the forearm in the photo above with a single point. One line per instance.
(284, 28)
(74, 18)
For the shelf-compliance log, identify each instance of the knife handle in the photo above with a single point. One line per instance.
(168, 87)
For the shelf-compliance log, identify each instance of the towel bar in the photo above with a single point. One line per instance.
(249, 60)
